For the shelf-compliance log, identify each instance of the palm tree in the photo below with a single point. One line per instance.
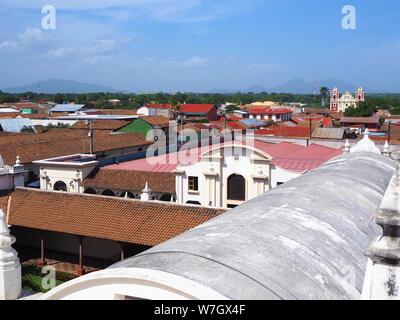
(325, 97)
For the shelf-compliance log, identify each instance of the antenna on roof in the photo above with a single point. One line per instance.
(38, 91)
(315, 88)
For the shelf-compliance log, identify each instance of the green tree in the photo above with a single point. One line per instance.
(364, 109)
(325, 97)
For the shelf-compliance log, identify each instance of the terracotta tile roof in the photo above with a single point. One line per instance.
(120, 112)
(3, 201)
(102, 124)
(131, 180)
(156, 120)
(112, 218)
(34, 116)
(42, 115)
(360, 120)
(59, 142)
(9, 115)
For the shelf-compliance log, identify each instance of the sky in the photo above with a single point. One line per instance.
(200, 45)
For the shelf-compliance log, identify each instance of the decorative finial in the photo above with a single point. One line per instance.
(346, 147)
(10, 267)
(386, 149)
(146, 188)
(18, 161)
(146, 193)
(382, 278)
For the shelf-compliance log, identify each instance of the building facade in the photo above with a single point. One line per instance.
(222, 175)
(340, 103)
(271, 114)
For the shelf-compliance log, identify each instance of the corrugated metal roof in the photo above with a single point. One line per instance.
(8, 110)
(15, 125)
(328, 133)
(253, 122)
(67, 107)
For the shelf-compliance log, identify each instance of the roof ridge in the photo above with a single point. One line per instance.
(120, 199)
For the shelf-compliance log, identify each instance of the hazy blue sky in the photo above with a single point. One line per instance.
(200, 44)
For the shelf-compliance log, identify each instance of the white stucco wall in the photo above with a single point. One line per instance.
(132, 283)
(71, 176)
(279, 175)
(213, 174)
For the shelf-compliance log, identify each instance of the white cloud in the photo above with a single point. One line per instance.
(92, 54)
(62, 52)
(30, 34)
(7, 44)
(29, 37)
(195, 62)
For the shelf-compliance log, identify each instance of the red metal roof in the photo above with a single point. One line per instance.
(286, 155)
(286, 131)
(196, 108)
(307, 158)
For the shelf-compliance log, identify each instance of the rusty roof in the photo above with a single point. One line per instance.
(128, 112)
(328, 133)
(361, 120)
(102, 124)
(112, 218)
(156, 120)
(131, 180)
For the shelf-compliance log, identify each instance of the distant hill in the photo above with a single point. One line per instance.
(298, 86)
(52, 86)
(301, 86)
(256, 89)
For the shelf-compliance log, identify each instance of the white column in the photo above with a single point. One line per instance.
(382, 276)
(10, 267)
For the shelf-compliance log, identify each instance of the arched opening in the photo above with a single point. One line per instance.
(90, 191)
(60, 186)
(236, 188)
(127, 194)
(108, 193)
(166, 198)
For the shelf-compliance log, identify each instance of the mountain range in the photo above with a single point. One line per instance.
(52, 86)
(299, 86)
(295, 86)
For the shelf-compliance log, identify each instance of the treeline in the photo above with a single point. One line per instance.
(100, 100)
(373, 103)
(390, 102)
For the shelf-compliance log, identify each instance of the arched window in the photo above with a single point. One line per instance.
(108, 193)
(130, 195)
(60, 186)
(90, 191)
(236, 188)
(166, 198)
